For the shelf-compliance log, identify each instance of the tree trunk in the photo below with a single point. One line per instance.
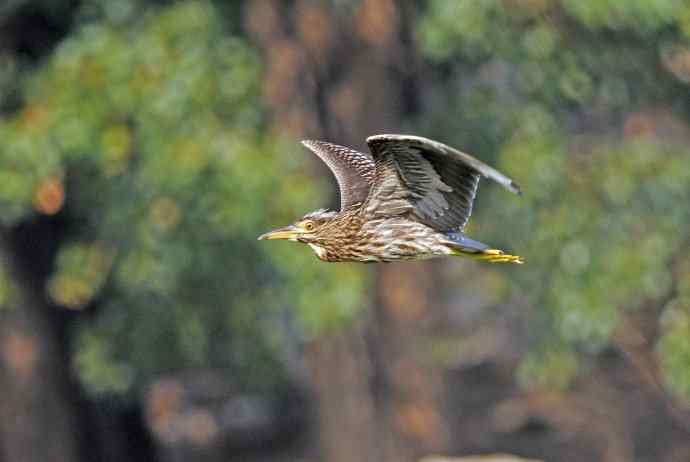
(37, 420)
(340, 376)
(342, 73)
(410, 388)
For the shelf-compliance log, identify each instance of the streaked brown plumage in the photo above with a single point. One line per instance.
(409, 200)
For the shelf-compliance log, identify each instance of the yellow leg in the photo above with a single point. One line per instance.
(498, 256)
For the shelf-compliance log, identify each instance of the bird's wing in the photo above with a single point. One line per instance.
(353, 170)
(433, 182)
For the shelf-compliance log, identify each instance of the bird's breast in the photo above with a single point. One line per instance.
(400, 239)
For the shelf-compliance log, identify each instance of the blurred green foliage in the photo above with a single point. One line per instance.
(595, 131)
(146, 127)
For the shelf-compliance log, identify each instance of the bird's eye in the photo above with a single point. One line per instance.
(309, 226)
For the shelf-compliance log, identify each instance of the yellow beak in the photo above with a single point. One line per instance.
(289, 232)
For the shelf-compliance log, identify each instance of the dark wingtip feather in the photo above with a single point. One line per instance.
(516, 188)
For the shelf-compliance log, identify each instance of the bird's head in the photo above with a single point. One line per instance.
(310, 229)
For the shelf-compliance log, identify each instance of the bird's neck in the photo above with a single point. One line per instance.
(335, 243)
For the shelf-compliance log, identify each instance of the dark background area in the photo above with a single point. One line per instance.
(145, 144)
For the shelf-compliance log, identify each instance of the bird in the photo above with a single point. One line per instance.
(410, 199)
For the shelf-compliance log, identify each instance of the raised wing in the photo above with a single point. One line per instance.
(353, 170)
(427, 179)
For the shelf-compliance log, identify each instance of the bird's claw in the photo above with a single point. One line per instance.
(498, 256)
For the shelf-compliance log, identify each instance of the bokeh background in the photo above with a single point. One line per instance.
(145, 144)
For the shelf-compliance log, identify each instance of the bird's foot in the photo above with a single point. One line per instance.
(498, 256)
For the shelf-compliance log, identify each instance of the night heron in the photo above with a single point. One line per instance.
(409, 200)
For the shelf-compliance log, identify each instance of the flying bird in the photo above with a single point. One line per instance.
(409, 200)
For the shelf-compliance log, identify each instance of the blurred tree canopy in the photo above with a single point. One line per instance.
(580, 101)
(149, 132)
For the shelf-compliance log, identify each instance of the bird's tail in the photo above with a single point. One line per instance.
(466, 247)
